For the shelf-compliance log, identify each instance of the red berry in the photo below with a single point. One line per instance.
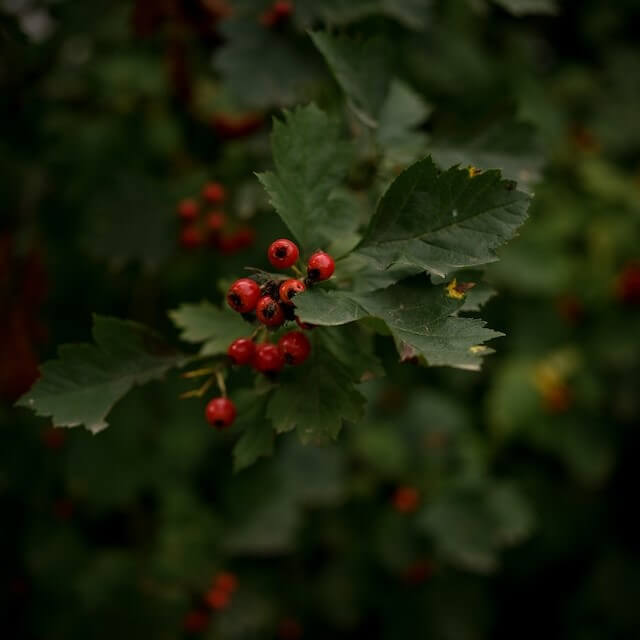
(320, 266)
(216, 220)
(406, 499)
(282, 253)
(243, 295)
(269, 312)
(217, 598)
(307, 326)
(190, 237)
(226, 581)
(214, 192)
(268, 358)
(282, 8)
(195, 621)
(241, 351)
(220, 413)
(628, 284)
(188, 210)
(295, 347)
(289, 289)
(245, 237)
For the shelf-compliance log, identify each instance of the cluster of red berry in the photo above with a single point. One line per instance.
(216, 598)
(278, 13)
(214, 229)
(272, 305)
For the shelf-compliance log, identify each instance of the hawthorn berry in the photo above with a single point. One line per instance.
(188, 210)
(225, 581)
(243, 295)
(269, 312)
(289, 289)
(215, 221)
(283, 253)
(190, 237)
(195, 621)
(214, 192)
(295, 347)
(241, 351)
(320, 266)
(220, 412)
(268, 358)
(217, 598)
(405, 499)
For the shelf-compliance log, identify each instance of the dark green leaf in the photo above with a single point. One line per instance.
(525, 7)
(205, 323)
(311, 160)
(351, 62)
(444, 221)
(84, 383)
(258, 435)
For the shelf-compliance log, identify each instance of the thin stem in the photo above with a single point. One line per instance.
(198, 373)
(221, 385)
(297, 270)
(198, 393)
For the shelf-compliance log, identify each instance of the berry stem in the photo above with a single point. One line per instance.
(220, 382)
(297, 270)
(198, 373)
(198, 393)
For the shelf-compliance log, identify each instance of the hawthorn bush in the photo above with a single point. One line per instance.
(304, 224)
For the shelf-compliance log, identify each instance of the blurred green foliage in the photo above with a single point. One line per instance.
(524, 524)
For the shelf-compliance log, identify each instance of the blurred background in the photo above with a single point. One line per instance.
(467, 505)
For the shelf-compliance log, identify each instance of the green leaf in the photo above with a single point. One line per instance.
(203, 322)
(419, 315)
(444, 221)
(311, 160)
(258, 436)
(84, 383)
(525, 7)
(316, 399)
(512, 147)
(351, 61)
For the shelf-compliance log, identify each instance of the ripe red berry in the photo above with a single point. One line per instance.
(220, 413)
(282, 253)
(320, 266)
(225, 581)
(188, 210)
(268, 358)
(243, 295)
(190, 237)
(269, 312)
(241, 351)
(217, 598)
(406, 499)
(215, 221)
(214, 192)
(289, 289)
(295, 347)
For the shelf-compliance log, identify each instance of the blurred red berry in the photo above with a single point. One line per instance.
(628, 284)
(196, 621)
(190, 237)
(217, 598)
(418, 572)
(216, 220)
(405, 499)
(230, 126)
(54, 438)
(225, 581)
(214, 192)
(188, 210)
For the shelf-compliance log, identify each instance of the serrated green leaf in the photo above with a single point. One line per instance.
(419, 315)
(316, 400)
(203, 322)
(258, 435)
(351, 61)
(444, 221)
(311, 160)
(83, 384)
